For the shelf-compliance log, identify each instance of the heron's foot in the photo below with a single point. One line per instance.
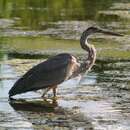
(43, 96)
(46, 96)
(45, 92)
(49, 96)
(55, 98)
(54, 101)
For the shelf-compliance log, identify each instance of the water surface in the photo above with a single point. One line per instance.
(31, 31)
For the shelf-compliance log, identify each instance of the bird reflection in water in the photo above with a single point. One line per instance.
(36, 105)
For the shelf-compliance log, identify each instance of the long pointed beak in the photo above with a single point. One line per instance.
(110, 33)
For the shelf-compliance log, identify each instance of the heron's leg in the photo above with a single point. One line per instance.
(54, 91)
(46, 91)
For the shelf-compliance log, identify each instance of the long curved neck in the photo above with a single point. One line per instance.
(90, 60)
(83, 42)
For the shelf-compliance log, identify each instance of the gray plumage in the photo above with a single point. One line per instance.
(59, 68)
(40, 76)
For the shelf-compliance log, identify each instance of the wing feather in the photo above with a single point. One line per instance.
(50, 72)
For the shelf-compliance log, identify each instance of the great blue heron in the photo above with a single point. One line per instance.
(50, 73)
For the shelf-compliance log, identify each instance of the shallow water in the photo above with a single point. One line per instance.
(31, 31)
(100, 101)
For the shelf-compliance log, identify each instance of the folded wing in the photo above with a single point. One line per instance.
(50, 72)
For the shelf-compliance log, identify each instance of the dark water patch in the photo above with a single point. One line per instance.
(116, 65)
(108, 17)
(27, 56)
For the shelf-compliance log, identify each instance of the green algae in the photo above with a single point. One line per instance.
(106, 48)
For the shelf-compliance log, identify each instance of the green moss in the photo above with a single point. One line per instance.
(114, 54)
(106, 48)
(105, 43)
(39, 44)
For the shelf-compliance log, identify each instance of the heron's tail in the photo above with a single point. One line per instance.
(17, 88)
(11, 92)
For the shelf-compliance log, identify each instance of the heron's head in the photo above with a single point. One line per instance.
(92, 30)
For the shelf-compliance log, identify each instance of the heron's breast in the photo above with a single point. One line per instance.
(72, 67)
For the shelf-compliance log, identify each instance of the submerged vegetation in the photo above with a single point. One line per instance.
(46, 27)
(107, 48)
